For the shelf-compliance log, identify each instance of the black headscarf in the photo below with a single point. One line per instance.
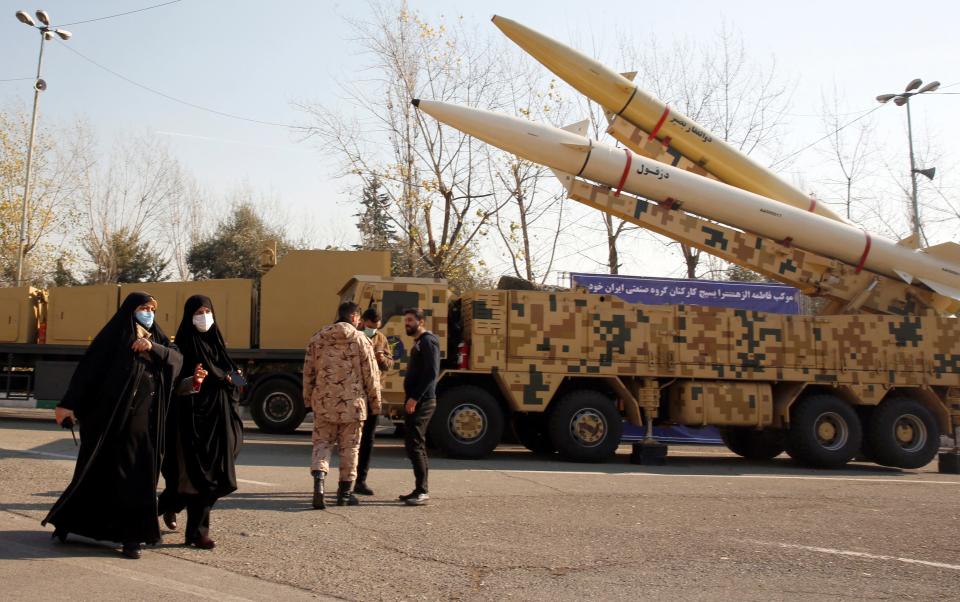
(207, 348)
(106, 362)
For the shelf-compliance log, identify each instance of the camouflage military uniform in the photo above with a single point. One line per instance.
(340, 377)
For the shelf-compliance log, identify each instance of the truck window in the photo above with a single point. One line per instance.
(394, 302)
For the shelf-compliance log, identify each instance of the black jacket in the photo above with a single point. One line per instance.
(420, 380)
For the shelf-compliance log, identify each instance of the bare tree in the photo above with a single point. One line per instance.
(130, 200)
(850, 149)
(431, 174)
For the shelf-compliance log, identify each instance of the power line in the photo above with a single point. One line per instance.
(179, 100)
(819, 140)
(17, 79)
(129, 12)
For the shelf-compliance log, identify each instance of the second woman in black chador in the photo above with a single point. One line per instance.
(119, 396)
(204, 429)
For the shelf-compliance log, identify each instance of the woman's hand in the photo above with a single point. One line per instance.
(199, 373)
(142, 345)
(61, 414)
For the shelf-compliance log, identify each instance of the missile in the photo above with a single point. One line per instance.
(571, 154)
(621, 97)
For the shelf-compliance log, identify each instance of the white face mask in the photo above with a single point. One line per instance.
(203, 322)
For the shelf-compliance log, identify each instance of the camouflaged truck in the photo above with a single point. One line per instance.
(564, 369)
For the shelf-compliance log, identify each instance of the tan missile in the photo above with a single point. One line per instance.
(620, 96)
(570, 154)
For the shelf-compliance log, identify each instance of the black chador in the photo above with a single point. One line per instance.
(120, 398)
(204, 428)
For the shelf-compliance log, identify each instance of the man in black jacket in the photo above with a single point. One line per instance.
(420, 388)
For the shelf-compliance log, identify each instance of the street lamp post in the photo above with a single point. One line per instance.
(901, 99)
(46, 33)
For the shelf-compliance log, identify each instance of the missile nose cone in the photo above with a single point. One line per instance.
(415, 102)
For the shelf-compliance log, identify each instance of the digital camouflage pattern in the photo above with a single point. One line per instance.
(340, 375)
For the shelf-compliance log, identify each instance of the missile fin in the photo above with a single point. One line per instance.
(946, 291)
(631, 75)
(911, 242)
(580, 128)
(575, 146)
(565, 178)
(906, 276)
(947, 251)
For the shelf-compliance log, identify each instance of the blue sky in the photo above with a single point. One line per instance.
(244, 58)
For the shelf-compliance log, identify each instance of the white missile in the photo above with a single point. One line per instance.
(571, 154)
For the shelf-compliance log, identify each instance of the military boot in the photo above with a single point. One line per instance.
(345, 496)
(318, 502)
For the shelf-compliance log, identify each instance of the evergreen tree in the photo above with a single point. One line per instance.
(233, 250)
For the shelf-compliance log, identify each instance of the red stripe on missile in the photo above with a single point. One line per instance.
(626, 172)
(866, 251)
(813, 204)
(656, 128)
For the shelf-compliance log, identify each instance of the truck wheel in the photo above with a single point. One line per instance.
(903, 433)
(277, 406)
(753, 444)
(531, 432)
(824, 431)
(468, 422)
(585, 426)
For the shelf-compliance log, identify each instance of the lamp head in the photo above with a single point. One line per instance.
(44, 17)
(913, 85)
(25, 18)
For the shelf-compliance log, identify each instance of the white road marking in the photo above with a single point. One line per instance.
(249, 482)
(792, 546)
(892, 479)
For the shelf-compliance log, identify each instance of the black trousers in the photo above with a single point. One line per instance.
(415, 441)
(198, 511)
(366, 447)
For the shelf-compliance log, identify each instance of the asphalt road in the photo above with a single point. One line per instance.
(708, 526)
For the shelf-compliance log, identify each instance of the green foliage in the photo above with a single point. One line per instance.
(234, 248)
(128, 259)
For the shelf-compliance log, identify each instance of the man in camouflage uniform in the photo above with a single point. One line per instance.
(340, 379)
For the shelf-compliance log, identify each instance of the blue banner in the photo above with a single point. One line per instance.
(776, 298)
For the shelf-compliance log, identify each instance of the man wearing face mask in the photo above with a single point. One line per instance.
(340, 380)
(381, 349)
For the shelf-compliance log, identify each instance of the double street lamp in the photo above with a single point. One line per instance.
(900, 99)
(46, 33)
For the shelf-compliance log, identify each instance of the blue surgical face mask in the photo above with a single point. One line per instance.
(370, 332)
(145, 318)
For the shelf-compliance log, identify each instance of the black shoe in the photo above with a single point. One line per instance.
(318, 501)
(203, 542)
(362, 489)
(170, 520)
(420, 499)
(344, 496)
(59, 535)
(410, 495)
(132, 551)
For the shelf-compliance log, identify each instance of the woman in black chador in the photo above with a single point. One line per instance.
(204, 429)
(119, 397)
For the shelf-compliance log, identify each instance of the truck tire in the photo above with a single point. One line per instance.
(585, 426)
(531, 432)
(468, 422)
(903, 433)
(277, 406)
(753, 444)
(825, 431)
